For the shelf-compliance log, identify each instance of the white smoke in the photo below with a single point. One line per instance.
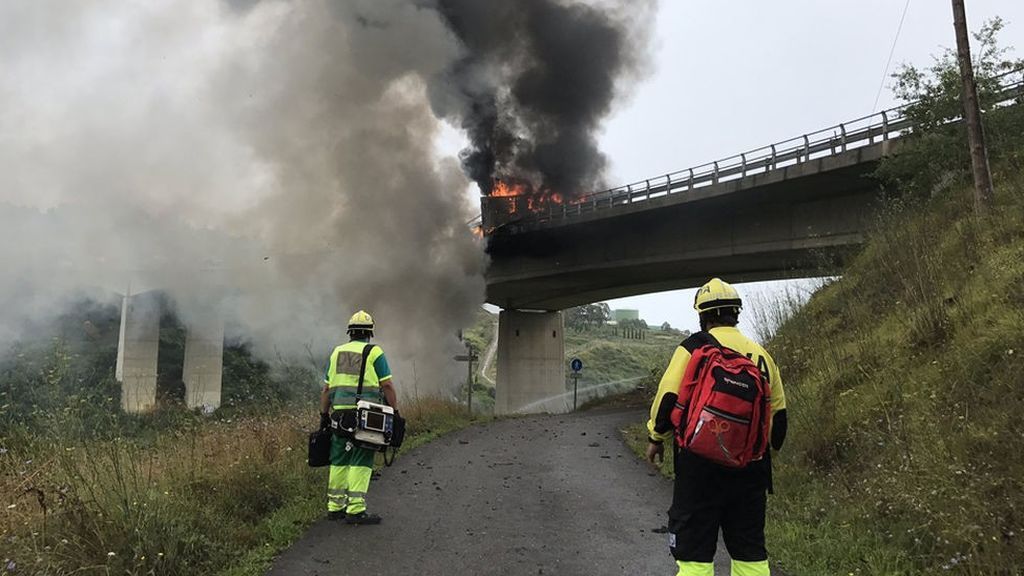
(273, 160)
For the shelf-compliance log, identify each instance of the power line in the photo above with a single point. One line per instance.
(892, 50)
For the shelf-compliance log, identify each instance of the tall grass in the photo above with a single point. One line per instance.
(215, 496)
(905, 387)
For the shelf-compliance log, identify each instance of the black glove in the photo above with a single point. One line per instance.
(325, 420)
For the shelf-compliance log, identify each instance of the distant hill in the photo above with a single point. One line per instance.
(612, 360)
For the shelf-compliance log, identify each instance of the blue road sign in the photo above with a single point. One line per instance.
(576, 364)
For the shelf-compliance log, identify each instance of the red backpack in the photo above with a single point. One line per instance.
(721, 413)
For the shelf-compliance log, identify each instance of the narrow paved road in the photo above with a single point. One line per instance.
(489, 357)
(558, 495)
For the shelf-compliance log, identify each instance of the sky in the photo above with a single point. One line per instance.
(731, 76)
(273, 117)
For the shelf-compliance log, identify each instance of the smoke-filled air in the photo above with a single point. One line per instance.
(275, 161)
(531, 85)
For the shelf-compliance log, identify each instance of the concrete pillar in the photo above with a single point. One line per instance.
(138, 346)
(204, 362)
(531, 363)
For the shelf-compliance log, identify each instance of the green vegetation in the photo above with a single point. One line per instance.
(939, 157)
(588, 316)
(88, 489)
(905, 387)
(478, 337)
(608, 357)
(904, 380)
(480, 334)
(904, 377)
(221, 496)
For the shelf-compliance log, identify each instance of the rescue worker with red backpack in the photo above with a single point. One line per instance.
(722, 405)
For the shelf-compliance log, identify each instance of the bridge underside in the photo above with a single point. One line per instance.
(806, 224)
(801, 220)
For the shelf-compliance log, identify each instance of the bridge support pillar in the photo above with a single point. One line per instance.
(138, 347)
(531, 363)
(204, 362)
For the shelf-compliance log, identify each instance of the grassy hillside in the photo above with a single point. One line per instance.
(608, 357)
(905, 381)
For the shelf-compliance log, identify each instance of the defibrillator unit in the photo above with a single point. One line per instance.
(374, 425)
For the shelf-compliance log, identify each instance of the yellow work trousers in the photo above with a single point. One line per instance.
(738, 568)
(351, 468)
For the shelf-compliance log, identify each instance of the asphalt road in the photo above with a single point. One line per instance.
(558, 495)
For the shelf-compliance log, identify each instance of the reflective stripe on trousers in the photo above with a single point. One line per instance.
(695, 568)
(347, 487)
(759, 568)
(739, 568)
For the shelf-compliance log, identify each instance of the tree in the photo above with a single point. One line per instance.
(935, 155)
(584, 317)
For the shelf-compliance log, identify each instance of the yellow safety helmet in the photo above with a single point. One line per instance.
(361, 321)
(716, 294)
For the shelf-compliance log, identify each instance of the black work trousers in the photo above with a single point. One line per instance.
(708, 497)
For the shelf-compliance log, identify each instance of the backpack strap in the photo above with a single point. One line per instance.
(698, 339)
(362, 370)
(694, 342)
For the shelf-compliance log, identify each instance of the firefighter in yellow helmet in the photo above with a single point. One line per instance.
(351, 465)
(708, 497)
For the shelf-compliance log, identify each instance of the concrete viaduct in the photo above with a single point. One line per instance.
(137, 354)
(793, 209)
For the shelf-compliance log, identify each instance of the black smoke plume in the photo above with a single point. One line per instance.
(534, 82)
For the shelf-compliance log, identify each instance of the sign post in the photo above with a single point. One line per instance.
(469, 359)
(576, 366)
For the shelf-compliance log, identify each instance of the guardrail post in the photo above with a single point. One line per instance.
(689, 185)
(773, 160)
(629, 194)
(743, 165)
(714, 176)
(885, 126)
(668, 184)
(807, 148)
(842, 132)
(647, 194)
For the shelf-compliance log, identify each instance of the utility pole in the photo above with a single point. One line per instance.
(972, 114)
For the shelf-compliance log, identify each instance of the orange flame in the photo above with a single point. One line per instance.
(505, 190)
(521, 196)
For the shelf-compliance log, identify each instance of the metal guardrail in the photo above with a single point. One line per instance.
(866, 131)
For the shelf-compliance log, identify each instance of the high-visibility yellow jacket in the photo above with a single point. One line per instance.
(342, 376)
(659, 427)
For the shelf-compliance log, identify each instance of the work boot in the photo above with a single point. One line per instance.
(362, 518)
(336, 516)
